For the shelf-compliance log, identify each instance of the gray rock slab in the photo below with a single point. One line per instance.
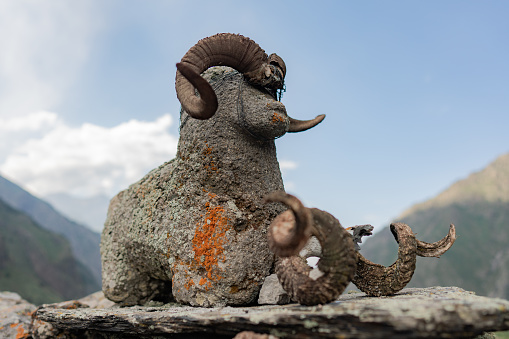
(15, 315)
(435, 312)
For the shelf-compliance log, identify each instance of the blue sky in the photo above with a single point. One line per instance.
(416, 93)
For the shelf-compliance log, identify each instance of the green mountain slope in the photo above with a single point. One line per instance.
(38, 264)
(84, 242)
(479, 208)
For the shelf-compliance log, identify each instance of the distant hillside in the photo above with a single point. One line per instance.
(479, 260)
(39, 264)
(90, 212)
(84, 242)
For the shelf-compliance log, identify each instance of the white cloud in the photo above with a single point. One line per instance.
(44, 45)
(32, 122)
(85, 160)
(286, 165)
(289, 186)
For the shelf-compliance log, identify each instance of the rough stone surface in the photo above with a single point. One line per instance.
(272, 293)
(436, 312)
(44, 330)
(195, 228)
(15, 315)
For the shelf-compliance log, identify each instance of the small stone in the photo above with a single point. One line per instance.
(272, 293)
(312, 248)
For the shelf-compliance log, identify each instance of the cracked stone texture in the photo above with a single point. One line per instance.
(434, 312)
(195, 228)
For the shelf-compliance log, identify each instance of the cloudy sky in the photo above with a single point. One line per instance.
(416, 93)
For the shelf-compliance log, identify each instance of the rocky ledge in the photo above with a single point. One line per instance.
(435, 312)
(15, 316)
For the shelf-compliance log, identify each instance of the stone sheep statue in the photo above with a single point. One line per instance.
(194, 230)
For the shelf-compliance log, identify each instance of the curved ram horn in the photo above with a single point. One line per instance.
(302, 125)
(336, 266)
(438, 248)
(377, 280)
(203, 107)
(289, 231)
(224, 49)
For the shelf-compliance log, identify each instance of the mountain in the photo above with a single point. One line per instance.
(90, 212)
(39, 264)
(479, 259)
(84, 242)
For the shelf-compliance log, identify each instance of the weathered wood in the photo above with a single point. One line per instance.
(411, 313)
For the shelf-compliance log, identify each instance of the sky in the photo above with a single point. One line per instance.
(416, 94)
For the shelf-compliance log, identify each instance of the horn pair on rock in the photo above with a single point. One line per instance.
(339, 263)
(288, 234)
(240, 53)
(378, 280)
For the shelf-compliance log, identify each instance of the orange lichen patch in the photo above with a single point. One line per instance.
(189, 284)
(210, 165)
(20, 334)
(207, 244)
(208, 150)
(208, 241)
(277, 118)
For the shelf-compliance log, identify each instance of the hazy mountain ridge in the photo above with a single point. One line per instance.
(479, 208)
(90, 212)
(491, 184)
(37, 263)
(84, 242)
